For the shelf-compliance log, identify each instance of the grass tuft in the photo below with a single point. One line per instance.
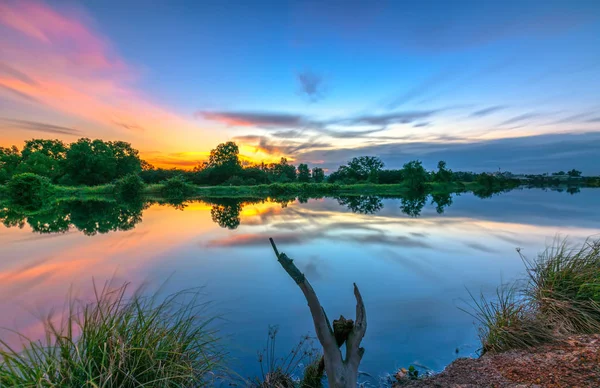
(564, 285)
(118, 341)
(507, 322)
(561, 297)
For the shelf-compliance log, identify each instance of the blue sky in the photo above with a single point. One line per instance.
(318, 82)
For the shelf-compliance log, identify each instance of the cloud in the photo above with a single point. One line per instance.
(431, 84)
(282, 147)
(488, 111)
(19, 94)
(520, 118)
(265, 120)
(528, 154)
(12, 124)
(420, 125)
(311, 85)
(390, 118)
(54, 58)
(283, 124)
(11, 71)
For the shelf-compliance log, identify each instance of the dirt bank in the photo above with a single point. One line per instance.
(574, 362)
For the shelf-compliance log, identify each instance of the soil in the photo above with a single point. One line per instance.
(570, 363)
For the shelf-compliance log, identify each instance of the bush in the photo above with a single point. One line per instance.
(119, 342)
(29, 190)
(130, 186)
(177, 187)
(234, 181)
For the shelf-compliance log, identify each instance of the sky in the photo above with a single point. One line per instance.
(484, 85)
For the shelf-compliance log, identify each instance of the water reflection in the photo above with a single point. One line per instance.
(97, 215)
(413, 257)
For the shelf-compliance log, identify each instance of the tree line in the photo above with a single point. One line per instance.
(96, 162)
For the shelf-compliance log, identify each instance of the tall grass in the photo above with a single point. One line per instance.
(507, 322)
(561, 296)
(564, 285)
(118, 341)
(284, 372)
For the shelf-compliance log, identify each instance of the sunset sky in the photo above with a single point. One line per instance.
(482, 84)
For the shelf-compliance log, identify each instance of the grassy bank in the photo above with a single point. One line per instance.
(276, 189)
(117, 341)
(561, 297)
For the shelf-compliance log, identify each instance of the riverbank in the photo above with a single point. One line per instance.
(572, 362)
(286, 189)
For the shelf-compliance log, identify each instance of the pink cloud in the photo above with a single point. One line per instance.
(54, 61)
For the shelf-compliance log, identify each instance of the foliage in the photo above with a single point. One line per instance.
(284, 372)
(303, 173)
(360, 169)
(9, 161)
(28, 190)
(414, 175)
(97, 162)
(119, 342)
(574, 173)
(130, 186)
(443, 174)
(176, 187)
(318, 175)
(390, 176)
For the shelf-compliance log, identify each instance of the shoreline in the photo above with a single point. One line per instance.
(572, 361)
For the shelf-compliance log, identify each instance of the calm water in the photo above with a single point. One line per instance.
(412, 259)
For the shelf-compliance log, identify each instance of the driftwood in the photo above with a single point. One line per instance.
(341, 373)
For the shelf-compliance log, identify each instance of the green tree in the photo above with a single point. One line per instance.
(443, 174)
(365, 168)
(90, 163)
(303, 173)
(225, 155)
(415, 175)
(9, 161)
(574, 173)
(283, 172)
(127, 158)
(28, 190)
(318, 175)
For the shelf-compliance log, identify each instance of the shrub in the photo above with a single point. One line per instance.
(234, 181)
(176, 187)
(130, 186)
(119, 342)
(28, 190)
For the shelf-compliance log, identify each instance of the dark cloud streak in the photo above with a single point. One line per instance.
(37, 126)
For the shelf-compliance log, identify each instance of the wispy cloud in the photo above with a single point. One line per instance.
(12, 124)
(488, 111)
(520, 118)
(55, 59)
